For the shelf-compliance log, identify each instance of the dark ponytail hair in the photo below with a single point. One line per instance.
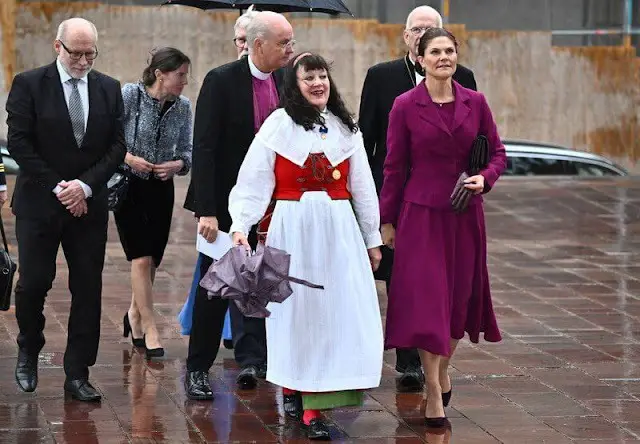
(166, 60)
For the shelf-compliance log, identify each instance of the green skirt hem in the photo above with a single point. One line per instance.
(332, 400)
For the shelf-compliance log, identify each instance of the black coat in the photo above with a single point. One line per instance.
(383, 83)
(223, 132)
(40, 139)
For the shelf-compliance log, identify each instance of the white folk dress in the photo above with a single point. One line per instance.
(317, 340)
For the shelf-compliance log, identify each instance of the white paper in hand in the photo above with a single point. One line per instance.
(217, 248)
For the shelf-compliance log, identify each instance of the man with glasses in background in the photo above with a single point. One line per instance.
(234, 101)
(65, 133)
(383, 83)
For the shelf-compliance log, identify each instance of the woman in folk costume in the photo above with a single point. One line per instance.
(324, 346)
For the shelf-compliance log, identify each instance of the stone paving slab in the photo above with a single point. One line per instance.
(564, 259)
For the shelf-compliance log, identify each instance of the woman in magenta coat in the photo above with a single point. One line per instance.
(440, 285)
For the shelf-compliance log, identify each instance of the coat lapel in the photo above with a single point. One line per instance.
(461, 108)
(427, 110)
(245, 93)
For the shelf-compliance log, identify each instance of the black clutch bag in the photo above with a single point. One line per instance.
(7, 271)
(479, 158)
(118, 184)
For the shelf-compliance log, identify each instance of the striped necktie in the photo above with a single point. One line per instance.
(76, 112)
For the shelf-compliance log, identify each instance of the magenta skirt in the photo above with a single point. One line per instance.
(440, 284)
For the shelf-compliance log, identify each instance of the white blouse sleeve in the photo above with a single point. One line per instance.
(250, 197)
(365, 198)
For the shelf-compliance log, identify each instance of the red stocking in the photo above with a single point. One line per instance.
(310, 415)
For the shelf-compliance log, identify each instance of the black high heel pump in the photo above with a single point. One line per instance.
(137, 342)
(152, 352)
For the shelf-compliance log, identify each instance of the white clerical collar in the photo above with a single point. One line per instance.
(255, 72)
(411, 58)
(64, 75)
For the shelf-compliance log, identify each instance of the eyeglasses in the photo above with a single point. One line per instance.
(239, 42)
(77, 55)
(287, 44)
(417, 30)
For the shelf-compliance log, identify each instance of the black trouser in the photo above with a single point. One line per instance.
(249, 336)
(83, 241)
(406, 358)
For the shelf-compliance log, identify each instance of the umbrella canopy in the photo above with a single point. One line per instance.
(322, 6)
(252, 281)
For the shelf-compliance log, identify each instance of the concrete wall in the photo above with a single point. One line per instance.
(586, 98)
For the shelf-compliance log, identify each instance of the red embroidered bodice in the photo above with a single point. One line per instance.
(292, 181)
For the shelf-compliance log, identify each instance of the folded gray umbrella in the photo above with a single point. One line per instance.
(252, 280)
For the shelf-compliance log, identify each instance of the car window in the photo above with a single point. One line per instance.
(529, 166)
(589, 169)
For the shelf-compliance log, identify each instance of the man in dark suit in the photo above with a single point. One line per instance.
(65, 132)
(234, 101)
(383, 83)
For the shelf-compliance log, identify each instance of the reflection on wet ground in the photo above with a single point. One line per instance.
(565, 264)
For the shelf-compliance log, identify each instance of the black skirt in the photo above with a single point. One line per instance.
(144, 220)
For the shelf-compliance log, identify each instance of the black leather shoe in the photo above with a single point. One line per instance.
(82, 390)
(293, 405)
(27, 371)
(262, 371)
(152, 352)
(248, 378)
(412, 380)
(317, 430)
(197, 386)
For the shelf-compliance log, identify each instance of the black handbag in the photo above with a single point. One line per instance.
(478, 160)
(118, 184)
(7, 271)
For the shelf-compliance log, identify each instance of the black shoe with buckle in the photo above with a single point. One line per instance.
(412, 380)
(293, 405)
(197, 386)
(262, 371)
(82, 390)
(27, 371)
(248, 378)
(317, 430)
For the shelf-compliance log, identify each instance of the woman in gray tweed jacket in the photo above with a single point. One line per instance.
(158, 130)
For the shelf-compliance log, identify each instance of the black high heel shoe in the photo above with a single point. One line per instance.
(446, 397)
(137, 342)
(436, 423)
(152, 352)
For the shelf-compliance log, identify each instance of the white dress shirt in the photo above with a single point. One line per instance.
(419, 78)
(83, 89)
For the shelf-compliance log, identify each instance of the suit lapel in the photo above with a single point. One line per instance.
(58, 100)
(94, 94)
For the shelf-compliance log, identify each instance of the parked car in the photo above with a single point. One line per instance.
(10, 165)
(526, 158)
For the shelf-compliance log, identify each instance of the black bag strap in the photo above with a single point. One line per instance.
(4, 236)
(135, 130)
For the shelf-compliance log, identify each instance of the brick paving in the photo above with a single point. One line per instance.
(565, 263)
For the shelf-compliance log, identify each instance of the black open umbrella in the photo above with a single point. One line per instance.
(323, 6)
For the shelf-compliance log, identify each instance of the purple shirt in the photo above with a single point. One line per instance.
(265, 100)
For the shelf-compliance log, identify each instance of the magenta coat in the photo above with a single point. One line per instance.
(440, 285)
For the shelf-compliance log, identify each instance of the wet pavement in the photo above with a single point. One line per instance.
(565, 266)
